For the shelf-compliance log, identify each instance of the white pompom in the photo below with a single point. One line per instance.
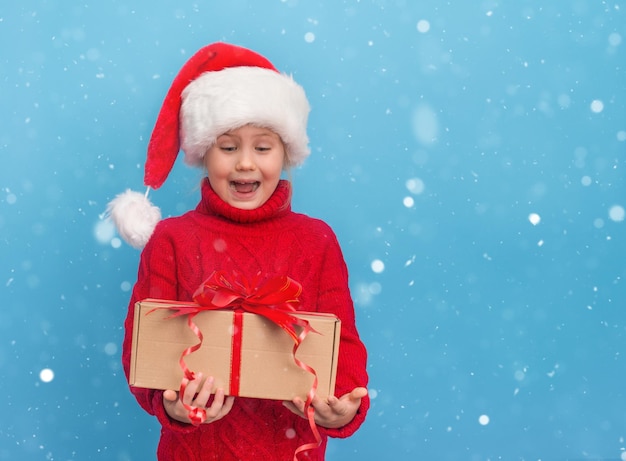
(134, 216)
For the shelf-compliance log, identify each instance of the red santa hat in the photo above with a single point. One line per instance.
(220, 88)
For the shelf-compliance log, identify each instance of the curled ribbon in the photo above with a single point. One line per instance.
(275, 299)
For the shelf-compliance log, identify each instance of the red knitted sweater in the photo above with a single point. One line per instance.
(184, 251)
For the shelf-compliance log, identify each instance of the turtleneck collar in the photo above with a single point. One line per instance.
(277, 205)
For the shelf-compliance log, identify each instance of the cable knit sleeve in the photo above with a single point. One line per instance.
(334, 297)
(156, 278)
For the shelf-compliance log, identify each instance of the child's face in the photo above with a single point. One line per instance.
(244, 166)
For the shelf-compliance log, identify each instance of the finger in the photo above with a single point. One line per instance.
(347, 402)
(170, 395)
(217, 404)
(191, 388)
(293, 408)
(228, 404)
(220, 407)
(358, 393)
(316, 401)
(204, 394)
(321, 407)
(298, 403)
(319, 404)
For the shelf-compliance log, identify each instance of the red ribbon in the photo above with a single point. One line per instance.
(276, 299)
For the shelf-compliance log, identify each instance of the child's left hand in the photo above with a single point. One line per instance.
(333, 412)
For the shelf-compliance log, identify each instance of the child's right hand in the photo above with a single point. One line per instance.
(202, 391)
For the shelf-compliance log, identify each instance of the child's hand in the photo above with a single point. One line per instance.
(334, 412)
(197, 395)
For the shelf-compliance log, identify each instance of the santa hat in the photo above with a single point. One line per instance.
(220, 88)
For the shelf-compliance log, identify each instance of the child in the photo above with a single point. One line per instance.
(234, 114)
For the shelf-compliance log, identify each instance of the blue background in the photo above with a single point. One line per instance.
(470, 156)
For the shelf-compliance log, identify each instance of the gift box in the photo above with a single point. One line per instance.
(264, 365)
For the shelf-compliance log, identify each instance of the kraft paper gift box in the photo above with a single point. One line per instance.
(267, 368)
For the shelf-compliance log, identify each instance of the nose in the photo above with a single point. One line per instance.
(245, 160)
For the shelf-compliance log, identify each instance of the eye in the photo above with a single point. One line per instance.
(263, 148)
(228, 148)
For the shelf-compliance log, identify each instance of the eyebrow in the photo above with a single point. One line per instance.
(265, 133)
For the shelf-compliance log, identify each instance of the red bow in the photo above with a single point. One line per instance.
(275, 299)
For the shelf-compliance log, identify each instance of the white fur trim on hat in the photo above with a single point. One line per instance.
(217, 102)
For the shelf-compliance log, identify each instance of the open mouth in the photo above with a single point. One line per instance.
(245, 187)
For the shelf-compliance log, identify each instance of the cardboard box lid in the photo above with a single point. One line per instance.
(267, 366)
